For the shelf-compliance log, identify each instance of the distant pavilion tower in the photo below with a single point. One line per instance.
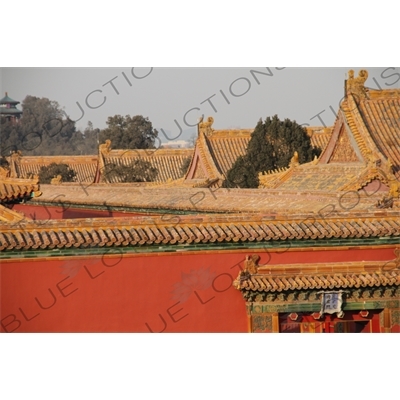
(9, 110)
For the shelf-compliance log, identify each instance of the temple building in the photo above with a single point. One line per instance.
(216, 152)
(315, 249)
(9, 110)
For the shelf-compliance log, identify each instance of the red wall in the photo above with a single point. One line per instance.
(192, 294)
(178, 292)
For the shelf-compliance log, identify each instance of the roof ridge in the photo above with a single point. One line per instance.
(226, 229)
(359, 130)
(207, 158)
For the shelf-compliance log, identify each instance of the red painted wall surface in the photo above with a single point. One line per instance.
(178, 292)
(396, 329)
(46, 213)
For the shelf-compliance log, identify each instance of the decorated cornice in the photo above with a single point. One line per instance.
(375, 171)
(13, 188)
(10, 216)
(327, 276)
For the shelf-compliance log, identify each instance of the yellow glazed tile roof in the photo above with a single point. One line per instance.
(13, 189)
(84, 166)
(203, 199)
(155, 230)
(217, 150)
(381, 115)
(364, 145)
(168, 162)
(311, 276)
(279, 283)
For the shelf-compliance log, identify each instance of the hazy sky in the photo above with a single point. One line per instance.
(167, 94)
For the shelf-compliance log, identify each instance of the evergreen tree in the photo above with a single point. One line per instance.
(272, 146)
(47, 173)
(129, 132)
(137, 171)
(4, 163)
(185, 165)
(44, 130)
(10, 137)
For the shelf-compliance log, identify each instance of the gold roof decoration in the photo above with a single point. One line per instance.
(289, 277)
(356, 86)
(10, 216)
(205, 127)
(12, 188)
(57, 180)
(16, 155)
(105, 148)
(294, 162)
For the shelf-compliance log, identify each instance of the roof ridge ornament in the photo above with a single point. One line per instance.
(105, 148)
(57, 180)
(251, 264)
(206, 127)
(294, 162)
(16, 154)
(356, 86)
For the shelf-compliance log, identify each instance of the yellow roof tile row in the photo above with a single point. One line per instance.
(138, 231)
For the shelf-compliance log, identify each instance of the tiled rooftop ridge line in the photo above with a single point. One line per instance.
(168, 162)
(342, 275)
(145, 230)
(280, 283)
(84, 166)
(286, 201)
(382, 116)
(362, 135)
(157, 152)
(208, 160)
(347, 106)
